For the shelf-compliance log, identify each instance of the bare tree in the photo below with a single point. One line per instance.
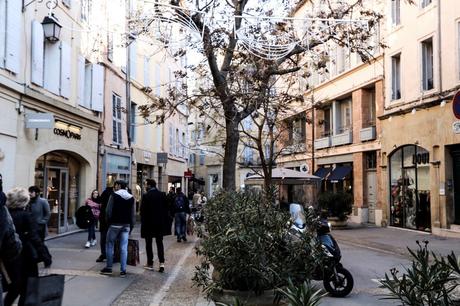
(229, 67)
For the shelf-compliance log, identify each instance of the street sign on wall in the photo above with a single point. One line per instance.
(162, 158)
(39, 121)
(456, 105)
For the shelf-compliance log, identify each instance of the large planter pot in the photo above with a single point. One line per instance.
(248, 298)
(336, 223)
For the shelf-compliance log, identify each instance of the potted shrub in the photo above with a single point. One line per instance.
(338, 206)
(246, 242)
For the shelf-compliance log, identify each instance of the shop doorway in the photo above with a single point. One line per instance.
(57, 192)
(455, 151)
(371, 194)
(57, 174)
(410, 188)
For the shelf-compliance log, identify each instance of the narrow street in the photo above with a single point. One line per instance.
(367, 252)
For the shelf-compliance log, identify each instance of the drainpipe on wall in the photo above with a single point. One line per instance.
(128, 88)
(439, 48)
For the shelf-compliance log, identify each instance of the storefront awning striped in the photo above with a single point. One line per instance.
(339, 173)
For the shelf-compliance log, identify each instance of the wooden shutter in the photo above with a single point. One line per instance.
(2, 32)
(13, 35)
(66, 66)
(81, 81)
(97, 88)
(37, 53)
(52, 67)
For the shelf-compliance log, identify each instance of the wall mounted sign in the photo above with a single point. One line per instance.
(456, 105)
(421, 158)
(67, 130)
(456, 127)
(39, 121)
(162, 158)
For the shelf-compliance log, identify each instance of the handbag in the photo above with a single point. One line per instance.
(45, 290)
(133, 252)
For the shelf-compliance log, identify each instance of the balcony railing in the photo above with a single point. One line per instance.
(368, 133)
(322, 143)
(342, 138)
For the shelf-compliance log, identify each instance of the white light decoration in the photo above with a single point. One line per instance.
(259, 35)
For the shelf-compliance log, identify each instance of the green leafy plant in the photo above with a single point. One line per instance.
(247, 244)
(303, 295)
(428, 281)
(337, 204)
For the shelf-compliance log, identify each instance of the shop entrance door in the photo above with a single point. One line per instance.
(56, 192)
(456, 161)
(371, 194)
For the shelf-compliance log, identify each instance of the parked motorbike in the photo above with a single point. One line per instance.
(337, 280)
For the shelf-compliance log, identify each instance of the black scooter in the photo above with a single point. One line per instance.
(337, 280)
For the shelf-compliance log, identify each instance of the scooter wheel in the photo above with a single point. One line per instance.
(340, 286)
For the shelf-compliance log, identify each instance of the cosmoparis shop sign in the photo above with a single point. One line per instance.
(67, 130)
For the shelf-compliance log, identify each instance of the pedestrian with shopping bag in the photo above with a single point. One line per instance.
(33, 251)
(155, 223)
(93, 202)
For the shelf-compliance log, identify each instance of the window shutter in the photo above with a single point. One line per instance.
(158, 79)
(13, 37)
(97, 88)
(88, 84)
(146, 71)
(66, 54)
(132, 59)
(2, 31)
(81, 81)
(52, 67)
(37, 53)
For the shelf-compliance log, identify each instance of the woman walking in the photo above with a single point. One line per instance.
(94, 203)
(33, 249)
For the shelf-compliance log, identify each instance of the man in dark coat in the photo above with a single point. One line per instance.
(10, 245)
(155, 222)
(103, 227)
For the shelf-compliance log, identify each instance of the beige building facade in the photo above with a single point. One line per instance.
(420, 140)
(48, 132)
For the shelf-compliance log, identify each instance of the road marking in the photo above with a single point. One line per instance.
(160, 295)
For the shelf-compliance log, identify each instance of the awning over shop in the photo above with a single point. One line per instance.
(323, 172)
(197, 180)
(339, 173)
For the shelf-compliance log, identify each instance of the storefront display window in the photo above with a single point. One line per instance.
(118, 168)
(409, 188)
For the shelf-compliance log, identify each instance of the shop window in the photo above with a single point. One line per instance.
(396, 77)
(427, 64)
(410, 188)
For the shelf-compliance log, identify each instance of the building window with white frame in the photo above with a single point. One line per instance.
(396, 12)
(85, 10)
(425, 3)
(427, 64)
(396, 77)
(116, 119)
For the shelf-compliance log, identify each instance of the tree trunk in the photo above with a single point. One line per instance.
(232, 139)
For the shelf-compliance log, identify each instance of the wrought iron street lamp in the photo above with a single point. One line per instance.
(51, 28)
